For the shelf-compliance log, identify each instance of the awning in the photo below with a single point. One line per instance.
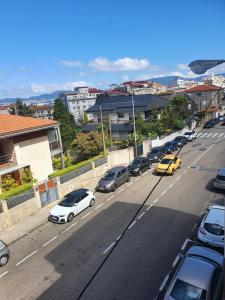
(12, 169)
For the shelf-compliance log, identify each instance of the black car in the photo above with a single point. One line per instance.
(156, 154)
(209, 124)
(170, 147)
(181, 140)
(139, 165)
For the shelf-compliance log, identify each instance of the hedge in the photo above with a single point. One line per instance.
(74, 167)
(16, 191)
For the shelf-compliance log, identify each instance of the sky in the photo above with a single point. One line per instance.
(48, 45)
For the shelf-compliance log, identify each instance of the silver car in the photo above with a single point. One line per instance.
(113, 179)
(219, 181)
(199, 276)
(211, 230)
(4, 254)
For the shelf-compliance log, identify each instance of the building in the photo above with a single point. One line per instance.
(218, 81)
(27, 142)
(80, 100)
(42, 111)
(207, 96)
(117, 111)
(4, 109)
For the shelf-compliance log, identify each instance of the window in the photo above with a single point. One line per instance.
(118, 175)
(198, 94)
(123, 171)
(83, 196)
(120, 115)
(185, 291)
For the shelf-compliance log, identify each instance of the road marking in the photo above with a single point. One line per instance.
(137, 179)
(185, 171)
(199, 134)
(203, 154)
(25, 258)
(193, 228)
(215, 134)
(203, 135)
(120, 191)
(163, 193)
(85, 216)
(119, 237)
(209, 134)
(141, 215)
(178, 178)
(148, 208)
(107, 249)
(3, 274)
(69, 227)
(145, 173)
(171, 185)
(110, 198)
(164, 282)
(155, 200)
(51, 240)
(220, 135)
(97, 207)
(130, 183)
(132, 224)
(176, 260)
(184, 244)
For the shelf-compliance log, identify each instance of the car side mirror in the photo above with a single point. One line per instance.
(75, 204)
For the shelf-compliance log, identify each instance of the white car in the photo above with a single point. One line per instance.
(211, 230)
(71, 205)
(190, 135)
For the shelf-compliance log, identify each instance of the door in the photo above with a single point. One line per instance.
(47, 191)
(119, 179)
(85, 201)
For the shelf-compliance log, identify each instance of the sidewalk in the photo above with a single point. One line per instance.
(19, 230)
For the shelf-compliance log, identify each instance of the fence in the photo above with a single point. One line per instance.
(16, 200)
(100, 161)
(75, 173)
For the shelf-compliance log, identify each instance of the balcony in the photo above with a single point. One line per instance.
(55, 147)
(8, 161)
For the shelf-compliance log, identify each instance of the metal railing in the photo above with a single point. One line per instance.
(8, 160)
(54, 145)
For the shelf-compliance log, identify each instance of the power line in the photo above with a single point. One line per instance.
(140, 208)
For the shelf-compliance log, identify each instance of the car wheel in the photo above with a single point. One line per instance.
(150, 166)
(92, 202)
(139, 172)
(3, 260)
(113, 188)
(70, 217)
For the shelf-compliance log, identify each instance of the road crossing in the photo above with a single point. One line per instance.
(207, 135)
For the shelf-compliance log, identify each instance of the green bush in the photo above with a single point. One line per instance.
(16, 191)
(8, 182)
(75, 166)
(180, 124)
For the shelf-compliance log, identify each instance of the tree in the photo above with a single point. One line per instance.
(88, 144)
(68, 125)
(85, 118)
(20, 109)
(179, 104)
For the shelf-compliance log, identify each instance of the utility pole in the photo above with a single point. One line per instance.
(103, 136)
(110, 132)
(135, 135)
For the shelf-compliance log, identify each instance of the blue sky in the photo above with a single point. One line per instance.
(48, 45)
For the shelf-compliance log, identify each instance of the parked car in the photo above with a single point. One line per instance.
(219, 181)
(170, 147)
(113, 179)
(4, 254)
(71, 205)
(216, 120)
(168, 164)
(156, 154)
(139, 165)
(221, 118)
(181, 140)
(209, 124)
(190, 135)
(223, 123)
(211, 229)
(199, 276)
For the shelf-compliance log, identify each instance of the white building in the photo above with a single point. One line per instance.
(215, 80)
(80, 100)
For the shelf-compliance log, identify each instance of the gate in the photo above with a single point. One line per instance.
(48, 191)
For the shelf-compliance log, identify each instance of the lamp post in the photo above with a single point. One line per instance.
(135, 135)
(103, 136)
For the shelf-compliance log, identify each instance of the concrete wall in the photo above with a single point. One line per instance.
(160, 142)
(36, 153)
(121, 157)
(147, 144)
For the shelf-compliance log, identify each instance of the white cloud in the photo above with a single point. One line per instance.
(125, 78)
(183, 67)
(51, 87)
(71, 63)
(121, 64)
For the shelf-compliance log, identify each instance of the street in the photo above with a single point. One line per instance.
(56, 261)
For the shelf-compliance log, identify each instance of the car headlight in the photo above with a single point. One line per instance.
(109, 184)
(136, 170)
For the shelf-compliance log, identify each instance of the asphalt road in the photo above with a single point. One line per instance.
(56, 261)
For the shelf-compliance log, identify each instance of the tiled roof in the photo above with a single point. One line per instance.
(10, 124)
(202, 88)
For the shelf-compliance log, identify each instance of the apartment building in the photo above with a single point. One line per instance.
(42, 111)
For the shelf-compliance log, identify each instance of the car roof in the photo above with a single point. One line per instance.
(215, 215)
(169, 156)
(197, 272)
(116, 169)
(78, 192)
(156, 148)
(179, 137)
(221, 172)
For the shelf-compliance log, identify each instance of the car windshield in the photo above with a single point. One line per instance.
(67, 201)
(154, 151)
(185, 291)
(166, 161)
(109, 175)
(215, 229)
(135, 162)
(178, 138)
(187, 133)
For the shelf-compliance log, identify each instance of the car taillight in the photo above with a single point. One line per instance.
(202, 230)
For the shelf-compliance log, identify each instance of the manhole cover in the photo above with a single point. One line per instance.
(196, 145)
(202, 149)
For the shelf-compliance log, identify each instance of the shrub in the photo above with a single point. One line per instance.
(180, 124)
(27, 177)
(16, 191)
(8, 183)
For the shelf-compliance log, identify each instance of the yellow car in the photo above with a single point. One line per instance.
(168, 164)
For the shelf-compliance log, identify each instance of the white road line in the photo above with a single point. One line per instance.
(119, 237)
(120, 191)
(137, 179)
(141, 215)
(203, 154)
(148, 208)
(130, 183)
(97, 207)
(132, 224)
(199, 134)
(185, 171)
(110, 198)
(184, 244)
(155, 200)
(145, 173)
(85, 216)
(51, 240)
(25, 258)
(215, 134)
(171, 185)
(209, 134)
(107, 249)
(69, 227)
(178, 178)
(164, 282)
(203, 135)
(3, 274)
(176, 260)
(163, 193)
(220, 135)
